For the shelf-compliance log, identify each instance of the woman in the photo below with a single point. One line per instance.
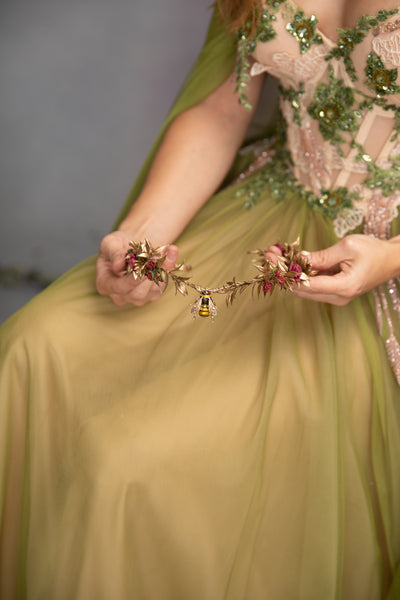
(148, 456)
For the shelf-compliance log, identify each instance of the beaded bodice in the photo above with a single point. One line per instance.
(340, 100)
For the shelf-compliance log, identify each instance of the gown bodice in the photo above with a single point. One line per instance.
(341, 104)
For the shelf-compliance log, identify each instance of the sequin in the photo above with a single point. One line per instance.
(391, 343)
(380, 79)
(333, 108)
(273, 175)
(350, 38)
(304, 30)
(343, 113)
(294, 98)
(246, 44)
(386, 28)
(331, 199)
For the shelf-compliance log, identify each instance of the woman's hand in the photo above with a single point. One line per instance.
(353, 266)
(194, 156)
(111, 279)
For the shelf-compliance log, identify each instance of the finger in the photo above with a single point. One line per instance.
(273, 253)
(119, 264)
(171, 257)
(142, 292)
(153, 294)
(156, 293)
(118, 300)
(327, 284)
(328, 288)
(276, 249)
(272, 257)
(324, 260)
(326, 298)
(113, 248)
(108, 283)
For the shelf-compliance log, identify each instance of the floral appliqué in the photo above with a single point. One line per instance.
(388, 49)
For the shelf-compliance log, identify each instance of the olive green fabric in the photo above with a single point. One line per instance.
(147, 456)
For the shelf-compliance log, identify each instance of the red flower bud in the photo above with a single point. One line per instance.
(267, 286)
(297, 269)
(279, 278)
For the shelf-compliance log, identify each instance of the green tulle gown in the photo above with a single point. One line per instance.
(147, 456)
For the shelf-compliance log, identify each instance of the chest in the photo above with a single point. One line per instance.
(336, 14)
(363, 56)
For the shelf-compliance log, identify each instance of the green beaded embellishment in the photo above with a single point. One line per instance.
(350, 38)
(332, 201)
(380, 79)
(304, 30)
(332, 107)
(387, 180)
(247, 44)
(277, 179)
(293, 96)
(336, 107)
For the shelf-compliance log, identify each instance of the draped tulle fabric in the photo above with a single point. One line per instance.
(148, 456)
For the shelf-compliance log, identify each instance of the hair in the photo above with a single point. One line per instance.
(236, 13)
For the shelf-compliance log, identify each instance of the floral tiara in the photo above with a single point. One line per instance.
(291, 269)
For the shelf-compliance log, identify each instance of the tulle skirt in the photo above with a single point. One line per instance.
(145, 455)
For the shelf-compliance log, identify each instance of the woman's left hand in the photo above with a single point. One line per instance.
(353, 266)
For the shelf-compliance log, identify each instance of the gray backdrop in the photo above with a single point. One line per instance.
(84, 88)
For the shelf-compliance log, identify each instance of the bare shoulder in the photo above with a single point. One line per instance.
(226, 99)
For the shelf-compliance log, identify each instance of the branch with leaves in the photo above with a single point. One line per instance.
(291, 269)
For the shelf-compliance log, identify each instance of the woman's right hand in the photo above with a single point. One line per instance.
(111, 278)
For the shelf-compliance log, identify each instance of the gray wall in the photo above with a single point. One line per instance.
(84, 87)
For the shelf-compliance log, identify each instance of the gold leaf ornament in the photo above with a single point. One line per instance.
(291, 269)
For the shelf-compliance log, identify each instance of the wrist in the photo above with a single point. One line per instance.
(138, 234)
(137, 229)
(159, 231)
(394, 256)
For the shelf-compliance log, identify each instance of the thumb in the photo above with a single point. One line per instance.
(117, 253)
(118, 262)
(113, 248)
(325, 260)
(171, 258)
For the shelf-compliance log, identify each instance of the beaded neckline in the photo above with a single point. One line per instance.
(336, 105)
(339, 30)
(305, 30)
